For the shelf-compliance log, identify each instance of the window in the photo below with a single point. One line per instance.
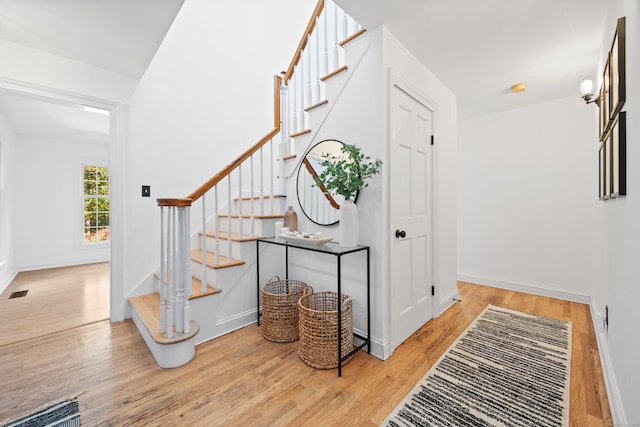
(96, 204)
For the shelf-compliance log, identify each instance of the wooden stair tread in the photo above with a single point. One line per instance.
(352, 37)
(148, 309)
(316, 105)
(196, 255)
(235, 237)
(302, 132)
(334, 73)
(249, 216)
(265, 196)
(196, 288)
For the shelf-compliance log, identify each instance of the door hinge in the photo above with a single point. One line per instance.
(432, 140)
(433, 290)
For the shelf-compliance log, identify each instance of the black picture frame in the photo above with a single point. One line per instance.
(605, 101)
(607, 167)
(619, 156)
(601, 172)
(617, 74)
(602, 122)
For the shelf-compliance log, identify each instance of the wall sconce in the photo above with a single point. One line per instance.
(586, 89)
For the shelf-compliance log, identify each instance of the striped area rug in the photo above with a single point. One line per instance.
(507, 369)
(65, 413)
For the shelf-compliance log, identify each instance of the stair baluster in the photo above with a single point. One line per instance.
(203, 244)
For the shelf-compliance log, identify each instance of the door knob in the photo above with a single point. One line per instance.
(400, 234)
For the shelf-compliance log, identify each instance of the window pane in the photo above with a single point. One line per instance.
(89, 234)
(103, 233)
(89, 187)
(90, 173)
(103, 188)
(90, 204)
(103, 174)
(103, 219)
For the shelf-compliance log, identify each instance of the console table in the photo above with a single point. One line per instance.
(336, 250)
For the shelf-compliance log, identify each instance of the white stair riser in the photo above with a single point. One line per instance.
(167, 355)
(270, 206)
(218, 277)
(261, 226)
(236, 247)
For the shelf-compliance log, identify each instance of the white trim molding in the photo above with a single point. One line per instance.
(529, 288)
(613, 393)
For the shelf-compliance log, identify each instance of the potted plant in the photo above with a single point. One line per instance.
(345, 175)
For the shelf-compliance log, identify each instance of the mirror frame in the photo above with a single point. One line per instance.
(301, 167)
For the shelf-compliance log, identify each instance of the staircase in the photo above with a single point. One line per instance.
(208, 272)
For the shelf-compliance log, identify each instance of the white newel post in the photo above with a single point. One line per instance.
(283, 147)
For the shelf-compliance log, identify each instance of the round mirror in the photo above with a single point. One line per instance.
(317, 205)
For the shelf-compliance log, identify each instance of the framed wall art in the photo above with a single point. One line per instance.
(617, 85)
(619, 156)
(612, 155)
(601, 172)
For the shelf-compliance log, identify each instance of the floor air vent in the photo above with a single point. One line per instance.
(18, 294)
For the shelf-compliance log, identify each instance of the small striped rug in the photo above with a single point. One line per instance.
(65, 413)
(507, 369)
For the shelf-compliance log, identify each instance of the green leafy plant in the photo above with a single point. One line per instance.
(345, 174)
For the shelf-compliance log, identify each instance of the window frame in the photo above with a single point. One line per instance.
(84, 196)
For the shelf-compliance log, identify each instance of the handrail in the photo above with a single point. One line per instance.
(303, 41)
(321, 186)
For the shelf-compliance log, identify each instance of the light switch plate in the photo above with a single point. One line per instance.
(146, 191)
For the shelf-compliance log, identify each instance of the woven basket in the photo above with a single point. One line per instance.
(280, 308)
(319, 329)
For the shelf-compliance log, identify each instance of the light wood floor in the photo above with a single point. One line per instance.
(58, 299)
(242, 379)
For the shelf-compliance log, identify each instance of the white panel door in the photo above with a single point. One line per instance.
(411, 246)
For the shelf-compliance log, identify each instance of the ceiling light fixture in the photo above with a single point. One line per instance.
(519, 88)
(586, 89)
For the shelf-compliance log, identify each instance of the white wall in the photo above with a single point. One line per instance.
(206, 97)
(7, 196)
(525, 188)
(616, 242)
(49, 202)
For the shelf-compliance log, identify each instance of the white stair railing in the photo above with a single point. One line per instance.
(299, 88)
(321, 53)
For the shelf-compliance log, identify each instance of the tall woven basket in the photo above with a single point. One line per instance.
(280, 308)
(319, 329)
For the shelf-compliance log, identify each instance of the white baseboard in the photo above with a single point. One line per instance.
(529, 288)
(613, 393)
(447, 301)
(62, 264)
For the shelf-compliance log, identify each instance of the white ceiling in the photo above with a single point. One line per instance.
(117, 35)
(477, 48)
(480, 48)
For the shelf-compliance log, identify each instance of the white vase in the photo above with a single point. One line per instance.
(348, 224)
